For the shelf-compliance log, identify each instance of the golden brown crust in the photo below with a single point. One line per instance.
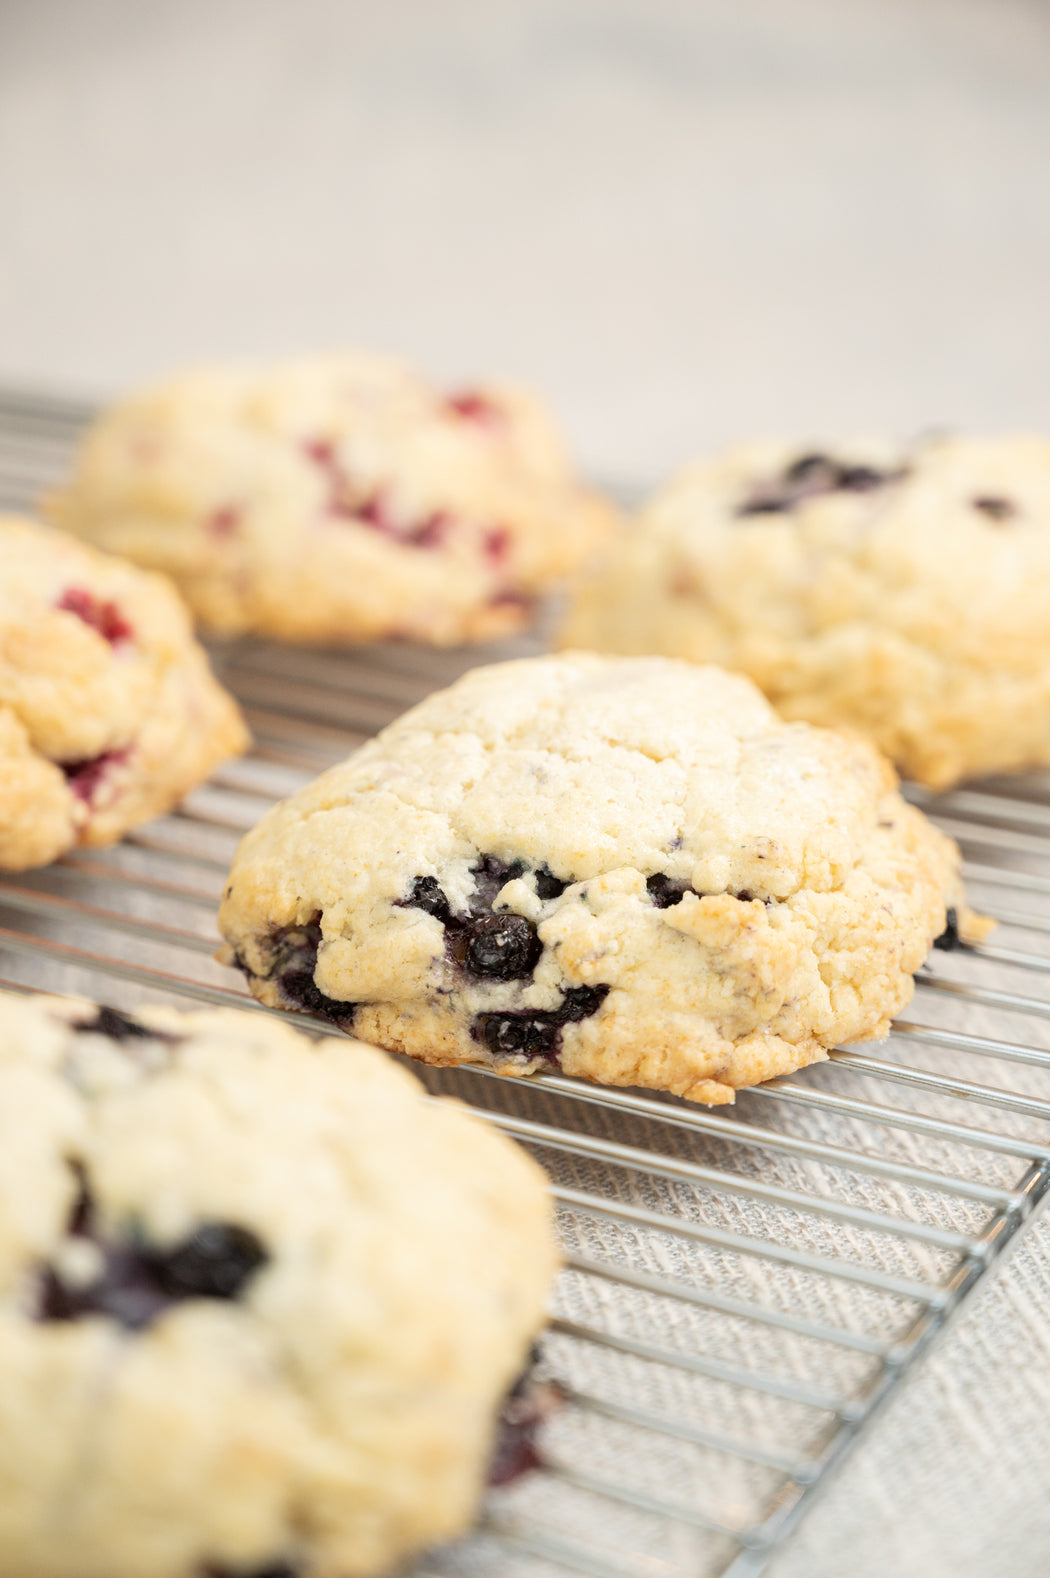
(734, 894)
(109, 712)
(913, 609)
(337, 499)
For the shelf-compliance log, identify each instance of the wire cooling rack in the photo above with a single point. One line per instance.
(743, 1288)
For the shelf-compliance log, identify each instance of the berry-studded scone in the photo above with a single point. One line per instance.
(337, 499)
(260, 1300)
(630, 868)
(109, 712)
(905, 593)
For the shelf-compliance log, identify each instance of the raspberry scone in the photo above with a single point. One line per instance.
(337, 499)
(109, 712)
(905, 593)
(627, 867)
(260, 1301)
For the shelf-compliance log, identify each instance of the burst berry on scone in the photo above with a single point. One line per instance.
(901, 592)
(337, 499)
(259, 1300)
(628, 868)
(109, 712)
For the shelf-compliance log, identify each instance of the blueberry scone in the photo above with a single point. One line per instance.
(905, 593)
(109, 712)
(629, 867)
(259, 1299)
(337, 499)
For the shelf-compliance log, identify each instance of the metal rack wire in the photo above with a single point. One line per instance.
(743, 1288)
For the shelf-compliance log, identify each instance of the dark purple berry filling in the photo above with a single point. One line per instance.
(86, 777)
(426, 894)
(501, 947)
(215, 1262)
(137, 1282)
(102, 615)
(119, 1027)
(274, 1570)
(996, 507)
(527, 1406)
(666, 891)
(520, 1034)
(580, 1002)
(548, 886)
(949, 939)
(809, 476)
(294, 964)
(529, 1033)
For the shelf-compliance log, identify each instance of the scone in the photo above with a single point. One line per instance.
(628, 867)
(109, 712)
(259, 1299)
(337, 499)
(905, 593)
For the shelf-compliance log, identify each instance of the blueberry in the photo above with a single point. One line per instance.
(215, 1262)
(815, 470)
(810, 475)
(665, 891)
(548, 886)
(504, 947)
(531, 1401)
(299, 988)
(949, 939)
(490, 874)
(581, 1002)
(119, 1027)
(764, 504)
(527, 1035)
(995, 507)
(860, 479)
(294, 963)
(426, 894)
(538, 1033)
(136, 1282)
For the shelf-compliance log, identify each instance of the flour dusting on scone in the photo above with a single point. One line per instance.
(109, 712)
(337, 499)
(259, 1299)
(902, 592)
(628, 868)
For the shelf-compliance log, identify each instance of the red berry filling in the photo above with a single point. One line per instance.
(84, 777)
(497, 544)
(223, 523)
(373, 507)
(102, 615)
(472, 406)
